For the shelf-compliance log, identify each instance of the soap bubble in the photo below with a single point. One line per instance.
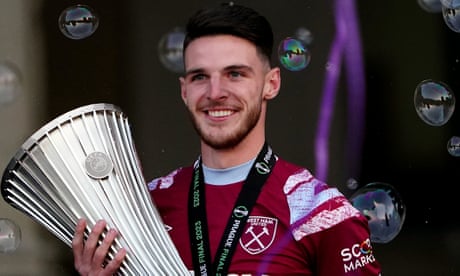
(170, 50)
(452, 18)
(433, 6)
(304, 35)
(384, 209)
(78, 22)
(451, 4)
(10, 82)
(434, 102)
(293, 54)
(352, 184)
(453, 146)
(10, 236)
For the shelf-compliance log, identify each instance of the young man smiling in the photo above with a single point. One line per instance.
(241, 209)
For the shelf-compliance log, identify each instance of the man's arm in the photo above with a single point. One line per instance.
(346, 249)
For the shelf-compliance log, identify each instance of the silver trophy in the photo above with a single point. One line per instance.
(83, 164)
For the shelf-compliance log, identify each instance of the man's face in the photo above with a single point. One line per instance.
(224, 89)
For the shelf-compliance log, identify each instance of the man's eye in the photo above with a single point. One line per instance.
(235, 74)
(198, 77)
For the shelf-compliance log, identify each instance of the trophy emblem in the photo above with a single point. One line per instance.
(98, 165)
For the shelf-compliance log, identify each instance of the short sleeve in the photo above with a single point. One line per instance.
(346, 249)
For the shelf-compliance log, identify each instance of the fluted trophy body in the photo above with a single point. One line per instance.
(83, 164)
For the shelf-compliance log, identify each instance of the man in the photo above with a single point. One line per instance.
(240, 209)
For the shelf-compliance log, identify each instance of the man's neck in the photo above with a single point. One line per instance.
(226, 158)
(231, 175)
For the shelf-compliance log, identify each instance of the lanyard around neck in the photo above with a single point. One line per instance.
(199, 235)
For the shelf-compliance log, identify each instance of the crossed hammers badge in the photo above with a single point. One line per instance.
(259, 234)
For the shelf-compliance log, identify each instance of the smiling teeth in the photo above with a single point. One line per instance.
(220, 113)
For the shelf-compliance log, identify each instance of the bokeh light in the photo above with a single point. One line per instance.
(293, 54)
(10, 236)
(170, 50)
(304, 35)
(352, 184)
(434, 102)
(10, 82)
(433, 6)
(78, 22)
(453, 146)
(452, 18)
(451, 4)
(384, 209)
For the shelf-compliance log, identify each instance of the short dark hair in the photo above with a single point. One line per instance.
(232, 19)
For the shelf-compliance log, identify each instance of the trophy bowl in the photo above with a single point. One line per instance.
(83, 164)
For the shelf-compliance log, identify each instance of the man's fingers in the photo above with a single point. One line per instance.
(102, 250)
(113, 266)
(90, 255)
(78, 241)
(91, 243)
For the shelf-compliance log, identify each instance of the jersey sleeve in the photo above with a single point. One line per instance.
(333, 232)
(346, 249)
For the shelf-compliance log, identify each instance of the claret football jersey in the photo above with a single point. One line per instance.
(298, 226)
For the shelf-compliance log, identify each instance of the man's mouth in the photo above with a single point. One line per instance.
(220, 113)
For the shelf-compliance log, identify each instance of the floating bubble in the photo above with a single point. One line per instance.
(293, 54)
(453, 146)
(78, 22)
(352, 184)
(170, 50)
(451, 4)
(304, 35)
(433, 6)
(10, 82)
(434, 102)
(10, 236)
(452, 18)
(384, 209)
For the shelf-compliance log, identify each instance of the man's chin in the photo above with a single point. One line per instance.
(221, 144)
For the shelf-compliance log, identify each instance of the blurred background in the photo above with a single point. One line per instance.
(130, 59)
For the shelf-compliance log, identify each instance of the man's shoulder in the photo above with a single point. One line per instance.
(287, 164)
(287, 168)
(299, 178)
(294, 175)
(312, 201)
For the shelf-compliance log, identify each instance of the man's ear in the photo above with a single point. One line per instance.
(183, 91)
(272, 83)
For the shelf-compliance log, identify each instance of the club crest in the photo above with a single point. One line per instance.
(258, 234)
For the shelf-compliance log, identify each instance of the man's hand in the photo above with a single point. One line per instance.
(89, 257)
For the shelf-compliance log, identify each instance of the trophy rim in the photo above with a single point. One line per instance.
(39, 133)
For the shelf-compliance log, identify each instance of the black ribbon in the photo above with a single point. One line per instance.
(199, 235)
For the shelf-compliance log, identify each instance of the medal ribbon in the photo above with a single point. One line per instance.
(199, 235)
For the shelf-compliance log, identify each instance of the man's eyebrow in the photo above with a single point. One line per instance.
(228, 68)
(194, 71)
(239, 67)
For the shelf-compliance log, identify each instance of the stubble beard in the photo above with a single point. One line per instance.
(230, 140)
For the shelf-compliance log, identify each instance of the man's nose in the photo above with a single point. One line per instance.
(216, 89)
